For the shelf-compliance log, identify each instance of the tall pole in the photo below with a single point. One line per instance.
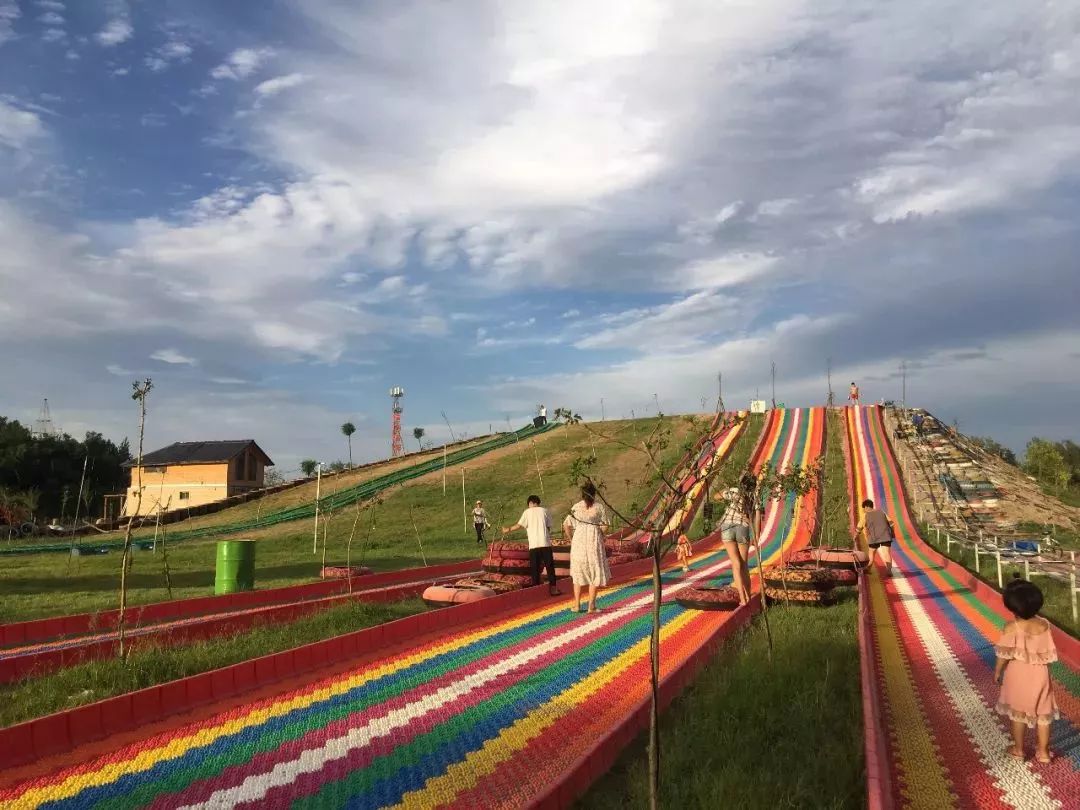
(78, 501)
(318, 489)
(656, 400)
(603, 416)
(452, 437)
(773, 365)
(464, 508)
(903, 384)
(444, 470)
(828, 375)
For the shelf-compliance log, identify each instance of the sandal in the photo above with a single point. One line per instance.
(1012, 753)
(1049, 757)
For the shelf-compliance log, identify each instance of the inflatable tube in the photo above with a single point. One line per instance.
(443, 595)
(518, 580)
(832, 557)
(821, 598)
(497, 566)
(800, 578)
(493, 584)
(623, 546)
(726, 598)
(343, 571)
(619, 559)
(508, 550)
(846, 578)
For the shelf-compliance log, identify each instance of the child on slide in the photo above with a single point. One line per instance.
(1024, 651)
(684, 551)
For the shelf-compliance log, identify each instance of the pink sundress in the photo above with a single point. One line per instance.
(1027, 695)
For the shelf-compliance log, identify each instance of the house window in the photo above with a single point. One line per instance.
(157, 468)
(184, 495)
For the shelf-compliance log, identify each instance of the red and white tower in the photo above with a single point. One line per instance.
(397, 447)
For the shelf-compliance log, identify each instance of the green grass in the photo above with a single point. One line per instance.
(152, 665)
(49, 584)
(835, 499)
(753, 734)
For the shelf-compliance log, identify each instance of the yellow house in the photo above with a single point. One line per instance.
(187, 474)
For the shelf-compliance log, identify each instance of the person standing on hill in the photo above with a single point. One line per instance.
(879, 531)
(479, 521)
(853, 394)
(585, 527)
(536, 521)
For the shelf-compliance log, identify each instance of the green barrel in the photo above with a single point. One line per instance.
(235, 566)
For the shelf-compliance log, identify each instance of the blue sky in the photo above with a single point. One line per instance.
(280, 209)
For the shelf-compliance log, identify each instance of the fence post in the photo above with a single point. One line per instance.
(1001, 584)
(978, 570)
(1072, 582)
(948, 543)
(1027, 570)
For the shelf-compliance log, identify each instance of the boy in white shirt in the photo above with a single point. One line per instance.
(536, 520)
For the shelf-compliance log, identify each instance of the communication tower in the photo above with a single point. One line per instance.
(397, 447)
(43, 426)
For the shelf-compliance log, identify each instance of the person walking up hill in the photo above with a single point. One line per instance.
(479, 521)
(879, 531)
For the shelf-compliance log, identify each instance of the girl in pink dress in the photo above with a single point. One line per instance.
(684, 551)
(1024, 651)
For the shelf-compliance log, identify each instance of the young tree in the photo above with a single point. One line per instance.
(349, 429)
(773, 484)
(307, 467)
(139, 394)
(1043, 460)
(418, 434)
(995, 448)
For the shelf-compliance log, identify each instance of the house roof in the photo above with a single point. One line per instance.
(200, 453)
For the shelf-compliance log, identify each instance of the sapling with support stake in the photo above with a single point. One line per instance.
(772, 484)
(139, 393)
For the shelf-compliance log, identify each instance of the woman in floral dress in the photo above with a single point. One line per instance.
(585, 527)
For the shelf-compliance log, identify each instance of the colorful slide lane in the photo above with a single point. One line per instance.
(39, 658)
(500, 716)
(933, 630)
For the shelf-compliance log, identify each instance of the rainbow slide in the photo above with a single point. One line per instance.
(934, 739)
(522, 711)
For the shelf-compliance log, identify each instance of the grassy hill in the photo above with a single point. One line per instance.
(413, 523)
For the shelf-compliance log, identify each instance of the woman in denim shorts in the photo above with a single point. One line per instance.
(736, 527)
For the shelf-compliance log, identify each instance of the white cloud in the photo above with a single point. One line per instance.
(9, 12)
(115, 32)
(51, 18)
(18, 127)
(120, 371)
(241, 63)
(571, 313)
(274, 86)
(172, 52)
(173, 357)
(774, 208)
(684, 322)
(722, 271)
(54, 35)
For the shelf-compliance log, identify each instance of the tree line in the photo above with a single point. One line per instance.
(1055, 465)
(39, 476)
